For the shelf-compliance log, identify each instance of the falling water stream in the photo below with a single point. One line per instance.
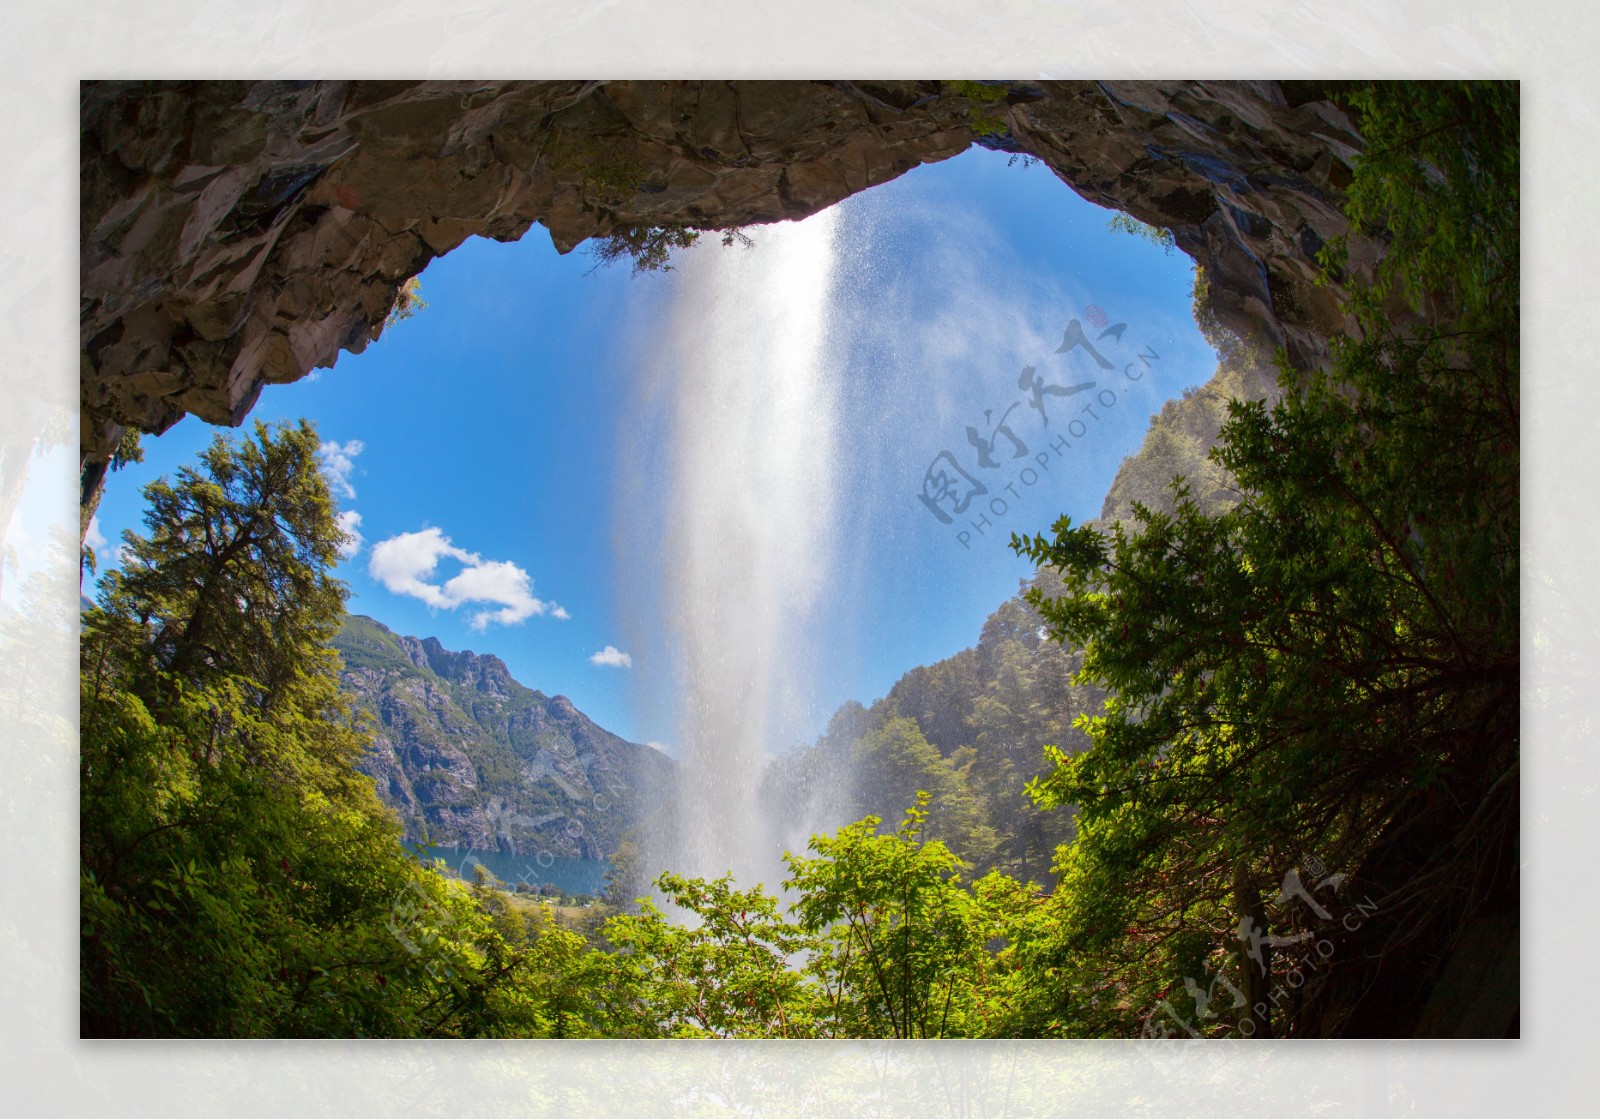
(754, 469)
(750, 400)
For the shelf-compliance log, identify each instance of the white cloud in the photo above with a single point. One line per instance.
(338, 461)
(399, 563)
(612, 656)
(349, 525)
(495, 581)
(104, 558)
(559, 612)
(406, 564)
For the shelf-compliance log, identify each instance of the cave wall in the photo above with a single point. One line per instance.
(240, 234)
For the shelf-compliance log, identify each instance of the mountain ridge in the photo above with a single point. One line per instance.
(973, 727)
(468, 756)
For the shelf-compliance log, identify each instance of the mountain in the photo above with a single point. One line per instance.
(972, 729)
(1180, 438)
(468, 757)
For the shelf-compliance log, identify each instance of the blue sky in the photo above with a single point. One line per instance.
(509, 434)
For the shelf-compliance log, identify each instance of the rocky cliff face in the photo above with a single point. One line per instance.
(240, 234)
(471, 758)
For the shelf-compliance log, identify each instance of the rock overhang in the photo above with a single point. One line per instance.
(241, 234)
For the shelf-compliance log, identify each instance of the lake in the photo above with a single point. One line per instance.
(567, 873)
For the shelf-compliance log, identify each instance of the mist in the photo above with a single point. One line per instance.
(742, 469)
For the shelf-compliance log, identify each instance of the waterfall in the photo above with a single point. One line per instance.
(745, 401)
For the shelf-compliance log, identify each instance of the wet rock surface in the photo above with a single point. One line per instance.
(241, 234)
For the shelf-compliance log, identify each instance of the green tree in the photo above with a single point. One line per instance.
(1231, 349)
(727, 976)
(650, 248)
(625, 879)
(893, 762)
(1329, 667)
(570, 987)
(900, 947)
(232, 580)
(239, 876)
(986, 104)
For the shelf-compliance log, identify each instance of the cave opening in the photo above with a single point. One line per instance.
(609, 455)
(239, 236)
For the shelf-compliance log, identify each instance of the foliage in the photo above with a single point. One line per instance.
(407, 302)
(725, 977)
(128, 449)
(1438, 180)
(1179, 438)
(985, 105)
(650, 248)
(606, 180)
(1233, 352)
(892, 762)
(1127, 223)
(605, 174)
(625, 878)
(217, 791)
(970, 730)
(885, 941)
(900, 946)
(233, 578)
(1308, 648)
(1328, 667)
(239, 876)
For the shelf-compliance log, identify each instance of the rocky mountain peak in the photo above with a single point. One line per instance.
(484, 673)
(470, 757)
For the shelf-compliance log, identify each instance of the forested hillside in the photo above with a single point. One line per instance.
(1262, 727)
(972, 729)
(468, 757)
